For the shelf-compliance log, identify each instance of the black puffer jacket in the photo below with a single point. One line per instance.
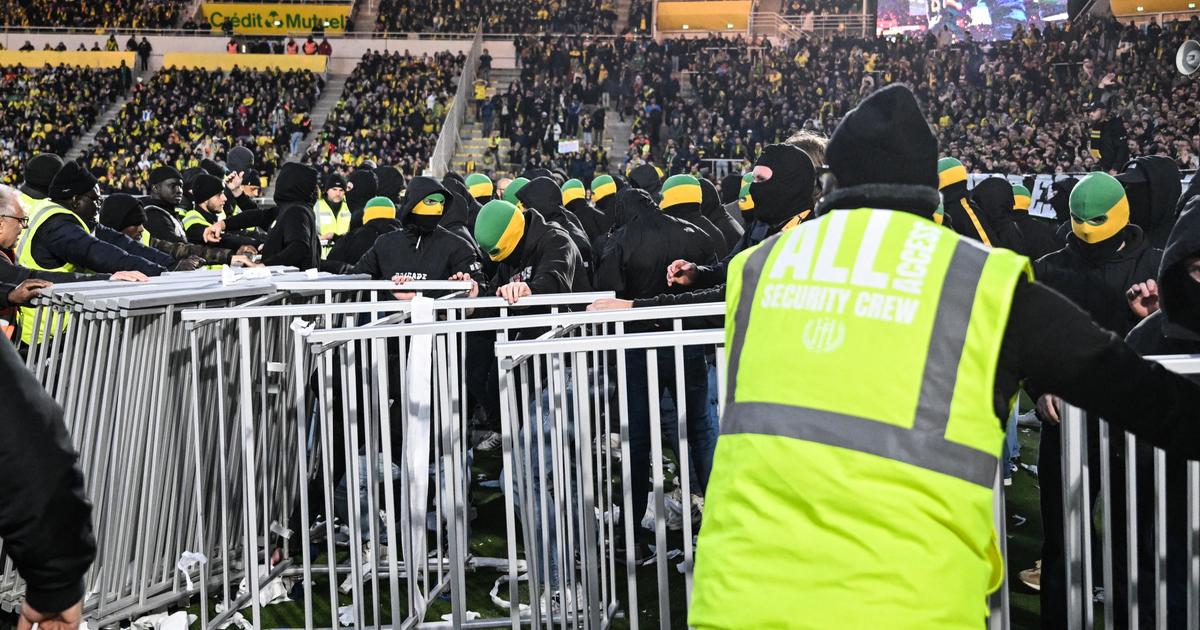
(543, 195)
(712, 208)
(417, 252)
(690, 213)
(351, 248)
(995, 200)
(965, 217)
(1097, 284)
(639, 252)
(61, 239)
(1152, 202)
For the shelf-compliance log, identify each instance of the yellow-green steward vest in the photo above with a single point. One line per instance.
(852, 481)
(37, 218)
(331, 222)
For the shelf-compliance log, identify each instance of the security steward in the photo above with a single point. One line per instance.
(872, 355)
(333, 213)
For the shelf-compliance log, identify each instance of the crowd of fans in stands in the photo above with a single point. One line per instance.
(390, 113)
(182, 116)
(507, 16)
(84, 13)
(822, 7)
(1015, 106)
(47, 109)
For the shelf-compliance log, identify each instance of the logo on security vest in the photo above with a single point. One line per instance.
(824, 334)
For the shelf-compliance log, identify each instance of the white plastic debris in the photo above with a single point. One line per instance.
(188, 560)
(346, 615)
(470, 615)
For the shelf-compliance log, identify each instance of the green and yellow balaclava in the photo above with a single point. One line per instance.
(515, 186)
(1022, 198)
(950, 172)
(603, 186)
(680, 189)
(939, 215)
(1099, 208)
(499, 229)
(432, 206)
(745, 201)
(379, 208)
(480, 186)
(572, 189)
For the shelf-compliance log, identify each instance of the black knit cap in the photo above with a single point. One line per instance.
(731, 186)
(162, 173)
(41, 169)
(336, 180)
(885, 140)
(212, 168)
(205, 187)
(239, 159)
(647, 178)
(120, 211)
(71, 180)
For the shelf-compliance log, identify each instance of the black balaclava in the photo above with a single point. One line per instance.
(789, 190)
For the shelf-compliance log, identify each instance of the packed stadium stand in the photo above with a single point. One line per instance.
(182, 116)
(47, 109)
(85, 13)
(504, 16)
(390, 113)
(802, 7)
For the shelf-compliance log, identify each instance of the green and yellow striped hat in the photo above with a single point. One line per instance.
(480, 186)
(379, 208)
(1022, 198)
(515, 186)
(602, 187)
(950, 172)
(745, 201)
(499, 228)
(679, 189)
(572, 189)
(1099, 208)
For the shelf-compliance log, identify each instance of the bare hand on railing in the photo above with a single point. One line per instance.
(403, 296)
(27, 290)
(243, 261)
(66, 620)
(212, 233)
(129, 276)
(463, 276)
(247, 250)
(610, 304)
(681, 272)
(1047, 407)
(1143, 298)
(514, 291)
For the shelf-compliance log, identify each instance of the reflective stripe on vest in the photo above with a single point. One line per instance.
(923, 445)
(329, 222)
(195, 217)
(25, 315)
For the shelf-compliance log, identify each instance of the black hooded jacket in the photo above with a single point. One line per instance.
(995, 200)
(1175, 328)
(965, 217)
(543, 195)
(1097, 283)
(418, 252)
(595, 223)
(690, 213)
(546, 259)
(639, 252)
(712, 208)
(1152, 203)
(351, 248)
(294, 240)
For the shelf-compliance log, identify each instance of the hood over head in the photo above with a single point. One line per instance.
(710, 203)
(1153, 186)
(994, 196)
(1061, 199)
(648, 177)
(461, 206)
(1178, 292)
(784, 178)
(731, 187)
(418, 189)
(296, 183)
(391, 182)
(541, 194)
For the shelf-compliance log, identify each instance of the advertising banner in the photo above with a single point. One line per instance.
(277, 19)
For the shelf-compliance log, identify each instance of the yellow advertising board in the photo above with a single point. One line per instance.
(226, 61)
(90, 59)
(704, 16)
(1134, 7)
(277, 19)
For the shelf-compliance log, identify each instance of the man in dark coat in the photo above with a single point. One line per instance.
(422, 249)
(1108, 141)
(681, 197)
(45, 516)
(379, 218)
(535, 256)
(594, 222)
(162, 203)
(1152, 184)
(712, 208)
(294, 240)
(994, 199)
(544, 196)
(965, 216)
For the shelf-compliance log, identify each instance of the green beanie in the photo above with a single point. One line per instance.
(479, 185)
(602, 187)
(1022, 199)
(679, 189)
(499, 228)
(379, 208)
(1099, 208)
(950, 172)
(572, 189)
(515, 186)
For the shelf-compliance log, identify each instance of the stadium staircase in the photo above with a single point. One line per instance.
(472, 142)
(366, 13)
(334, 87)
(621, 8)
(104, 118)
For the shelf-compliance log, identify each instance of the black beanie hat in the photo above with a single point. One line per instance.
(120, 211)
(212, 168)
(205, 187)
(40, 171)
(336, 180)
(391, 182)
(239, 159)
(252, 178)
(647, 178)
(71, 180)
(885, 140)
(162, 173)
(731, 188)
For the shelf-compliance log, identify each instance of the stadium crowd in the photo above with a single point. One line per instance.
(390, 113)
(821, 7)
(80, 13)
(182, 116)
(506, 16)
(47, 109)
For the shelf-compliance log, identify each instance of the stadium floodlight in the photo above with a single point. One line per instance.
(1187, 58)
